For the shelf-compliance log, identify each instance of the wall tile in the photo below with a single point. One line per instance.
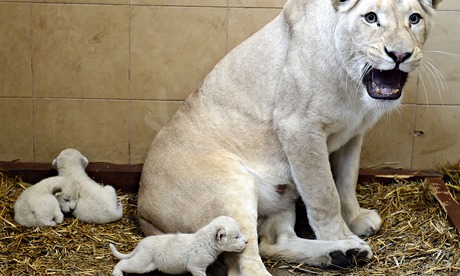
(173, 49)
(115, 2)
(147, 118)
(97, 128)
(441, 69)
(202, 3)
(440, 141)
(15, 68)
(410, 91)
(16, 137)
(27, 1)
(80, 51)
(257, 3)
(242, 23)
(390, 140)
(449, 5)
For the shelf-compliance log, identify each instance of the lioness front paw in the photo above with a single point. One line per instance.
(353, 257)
(367, 223)
(358, 254)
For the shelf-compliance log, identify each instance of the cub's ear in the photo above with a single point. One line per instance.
(343, 5)
(84, 161)
(221, 236)
(54, 164)
(56, 190)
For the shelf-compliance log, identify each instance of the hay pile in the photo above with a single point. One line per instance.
(416, 238)
(71, 248)
(452, 178)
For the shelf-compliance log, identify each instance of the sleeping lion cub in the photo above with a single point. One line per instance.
(289, 106)
(42, 204)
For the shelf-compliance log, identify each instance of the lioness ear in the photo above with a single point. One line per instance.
(221, 236)
(434, 3)
(343, 5)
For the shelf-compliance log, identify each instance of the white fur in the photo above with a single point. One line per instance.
(286, 107)
(179, 253)
(97, 203)
(42, 204)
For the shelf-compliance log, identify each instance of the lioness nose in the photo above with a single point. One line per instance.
(398, 57)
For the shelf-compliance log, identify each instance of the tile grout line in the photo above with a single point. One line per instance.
(415, 123)
(129, 83)
(227, 20)
(32, 83)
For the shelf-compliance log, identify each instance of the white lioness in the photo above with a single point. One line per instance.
(179, 253)
(42, 204)
(290, 105)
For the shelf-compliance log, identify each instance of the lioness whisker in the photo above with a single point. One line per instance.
(438, 72)
(445, 53)
(431, 72)
(422, 81)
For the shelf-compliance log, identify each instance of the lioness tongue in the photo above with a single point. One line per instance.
(388, 91)
(385, 80)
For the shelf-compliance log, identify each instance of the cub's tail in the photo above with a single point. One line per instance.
(119, 255)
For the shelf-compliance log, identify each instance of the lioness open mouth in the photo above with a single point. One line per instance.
(385, 85)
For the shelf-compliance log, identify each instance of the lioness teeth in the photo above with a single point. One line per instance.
(395, 91)
(378, 91)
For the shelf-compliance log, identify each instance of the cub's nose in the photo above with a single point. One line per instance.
(398, 57)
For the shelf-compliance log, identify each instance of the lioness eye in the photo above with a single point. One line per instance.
(371, 17)
(414, 18)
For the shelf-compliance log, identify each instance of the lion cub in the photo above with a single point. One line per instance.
(42, 204)
(97, 203)
(179, 253)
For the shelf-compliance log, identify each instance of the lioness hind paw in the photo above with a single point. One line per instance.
(366, 224)
(353, 257)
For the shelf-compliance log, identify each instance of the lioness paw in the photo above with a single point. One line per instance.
(352, 257)
(350, 252)
(367, 223)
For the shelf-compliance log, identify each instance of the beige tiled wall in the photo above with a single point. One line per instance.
(104, 76)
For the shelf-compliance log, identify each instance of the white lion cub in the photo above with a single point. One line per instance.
(97, 203)
(42, 204)
(179, 253)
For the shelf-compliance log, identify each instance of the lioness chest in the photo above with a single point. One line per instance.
(262, 153)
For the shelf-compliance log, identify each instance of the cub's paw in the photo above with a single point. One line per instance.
(354, 256)
(367, 223)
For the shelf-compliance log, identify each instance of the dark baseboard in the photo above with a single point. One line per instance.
(127, 177)
(120, 176)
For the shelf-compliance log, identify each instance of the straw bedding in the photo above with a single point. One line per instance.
(452, 178)
(415, 238)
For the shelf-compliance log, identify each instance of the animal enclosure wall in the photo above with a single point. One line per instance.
(103, 76)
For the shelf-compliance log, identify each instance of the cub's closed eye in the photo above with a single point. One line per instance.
(415, 18)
